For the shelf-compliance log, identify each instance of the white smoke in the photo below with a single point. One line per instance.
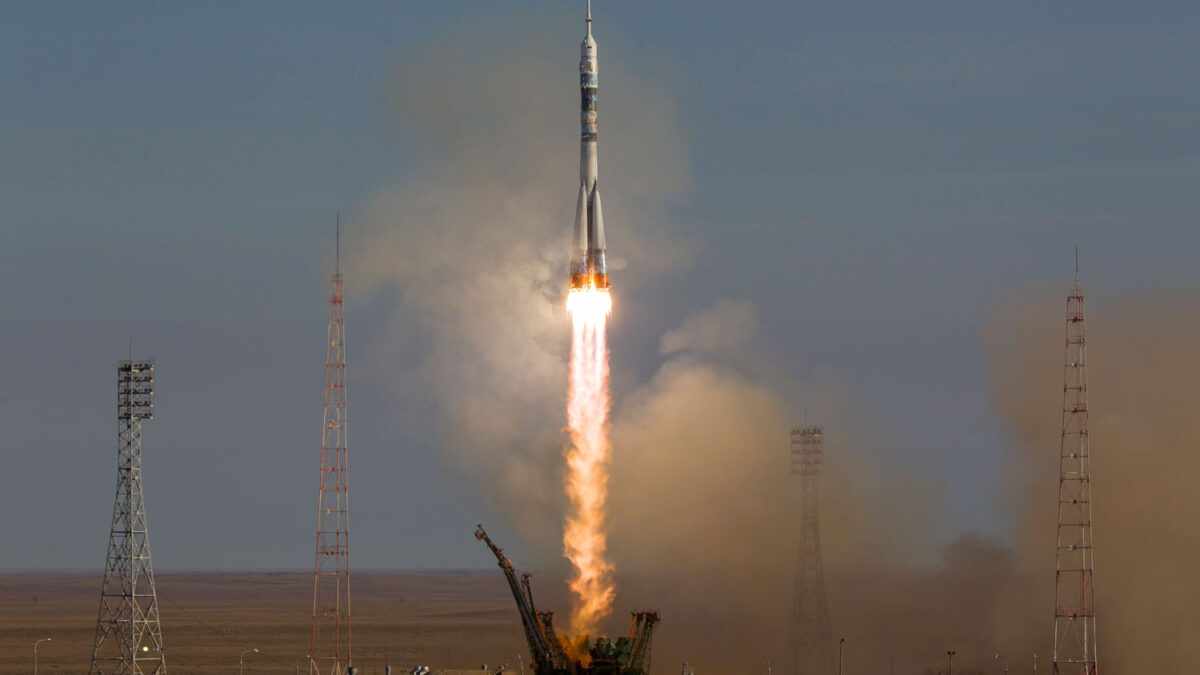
(476, 240)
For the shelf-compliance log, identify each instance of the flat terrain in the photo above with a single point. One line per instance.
(443, 620)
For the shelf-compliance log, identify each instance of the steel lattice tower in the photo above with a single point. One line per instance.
(812, 638)
(1074, 606)
(128, 634)
(329, 649)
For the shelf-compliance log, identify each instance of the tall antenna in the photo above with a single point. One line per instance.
(1074, 606)
(128, 634)
(329, 648)
(812, 637)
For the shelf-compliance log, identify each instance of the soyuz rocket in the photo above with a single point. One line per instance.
(588, 266)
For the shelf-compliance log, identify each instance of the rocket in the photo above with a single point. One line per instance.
(588, 266)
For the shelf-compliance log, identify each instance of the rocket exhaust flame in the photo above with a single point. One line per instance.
(585, 537)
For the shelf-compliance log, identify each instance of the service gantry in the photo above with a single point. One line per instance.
(553, 654)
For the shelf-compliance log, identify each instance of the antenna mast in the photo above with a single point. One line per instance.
(1074, 606)
(329, 648)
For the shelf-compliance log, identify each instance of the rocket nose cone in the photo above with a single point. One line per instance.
(588, 40)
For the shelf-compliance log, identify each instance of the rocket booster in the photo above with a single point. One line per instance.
(588, 266)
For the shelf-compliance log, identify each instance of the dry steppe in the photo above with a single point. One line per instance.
(443, 620)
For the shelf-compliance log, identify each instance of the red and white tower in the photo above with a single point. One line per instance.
(1075, 600)
(329, 649)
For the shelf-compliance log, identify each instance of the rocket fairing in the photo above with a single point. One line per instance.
(588, 266)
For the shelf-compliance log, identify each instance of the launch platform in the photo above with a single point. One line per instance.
(552, 654)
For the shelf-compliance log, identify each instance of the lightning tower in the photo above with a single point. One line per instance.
(812, 638)
(1074, 605)
(329, 647)
(128, 634)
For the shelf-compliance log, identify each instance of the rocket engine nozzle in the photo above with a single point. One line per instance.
(597, 281)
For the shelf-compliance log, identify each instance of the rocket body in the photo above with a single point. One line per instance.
(589, 269)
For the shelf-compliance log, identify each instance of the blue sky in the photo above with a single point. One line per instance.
(876, 177)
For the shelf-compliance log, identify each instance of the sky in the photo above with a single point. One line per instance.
(875, 178)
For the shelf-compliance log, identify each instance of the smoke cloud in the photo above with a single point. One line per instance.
(1144, 431)
(727, 324)
(473, 240)
(706, 524)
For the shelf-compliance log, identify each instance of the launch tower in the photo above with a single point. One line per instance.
(553, 654)
(128, 634)
(1074, 595)
(329, 647)
(812, 638)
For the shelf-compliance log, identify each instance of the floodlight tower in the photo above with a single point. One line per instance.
(128, 634)
(329, 647)
(1074, 606)
(812, 638)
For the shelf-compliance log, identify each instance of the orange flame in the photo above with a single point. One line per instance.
(584, 536)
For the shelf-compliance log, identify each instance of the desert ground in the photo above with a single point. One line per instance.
(455, 620)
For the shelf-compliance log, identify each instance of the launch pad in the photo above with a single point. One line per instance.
(553, 654)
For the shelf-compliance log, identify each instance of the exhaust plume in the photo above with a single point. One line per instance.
(585, 533)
